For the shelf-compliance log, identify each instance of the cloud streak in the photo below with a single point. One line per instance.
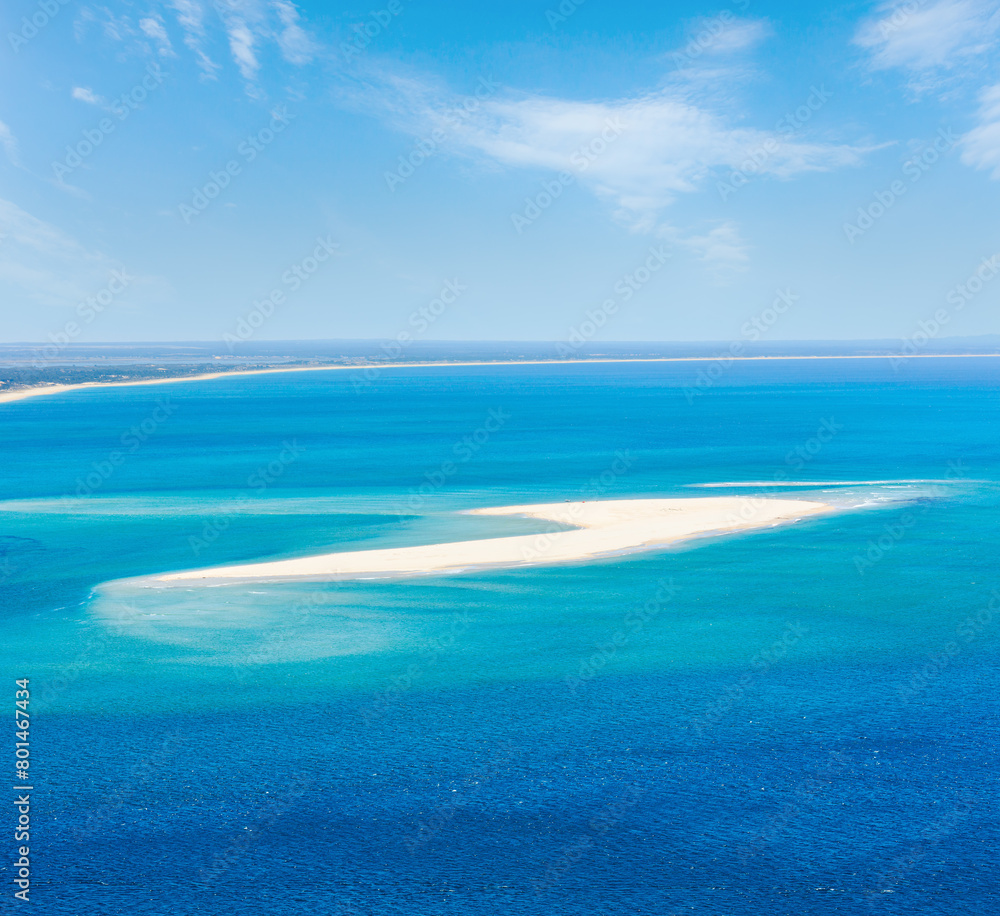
(48, 266)
(85, 94)
(153, 28)
(9, 144)
(949, 42)
(248, 25)
(921, 37)
(191, 19)
(981, 146)
(740, 35)
(244, 28)
(296, 45)
(638, 154)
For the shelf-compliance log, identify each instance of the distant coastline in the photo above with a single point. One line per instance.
(30, 391)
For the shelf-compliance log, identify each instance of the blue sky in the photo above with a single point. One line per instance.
(188, 170)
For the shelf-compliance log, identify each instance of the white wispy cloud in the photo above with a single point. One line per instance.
(191, 19)
(241, 45)
(85, 94)
(9, 143)
(296, 45)
(948, 43)
(922, 37)
(153, 28)
(43, 266)
(117, 28)
(981, 146)
(243, 27)
(43, 263)
(718, 41)
(637, 153)
(740, 35)
(722, 246)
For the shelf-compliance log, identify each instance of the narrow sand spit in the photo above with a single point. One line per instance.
(21, 394)
(604, 528)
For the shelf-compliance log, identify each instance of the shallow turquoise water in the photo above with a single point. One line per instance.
(803, 721)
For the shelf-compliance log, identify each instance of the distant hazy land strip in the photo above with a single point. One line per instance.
(44, 387)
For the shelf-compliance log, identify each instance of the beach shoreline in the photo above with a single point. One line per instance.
(21, 394)
(601, 529)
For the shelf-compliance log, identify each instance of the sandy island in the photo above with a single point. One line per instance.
(21, 394)
(602, 529)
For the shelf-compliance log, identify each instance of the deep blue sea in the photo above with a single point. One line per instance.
(803, 720)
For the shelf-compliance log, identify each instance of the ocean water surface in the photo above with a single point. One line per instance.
(799, 720)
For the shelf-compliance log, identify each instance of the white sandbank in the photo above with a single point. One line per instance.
(21, 394)
(603, 528)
